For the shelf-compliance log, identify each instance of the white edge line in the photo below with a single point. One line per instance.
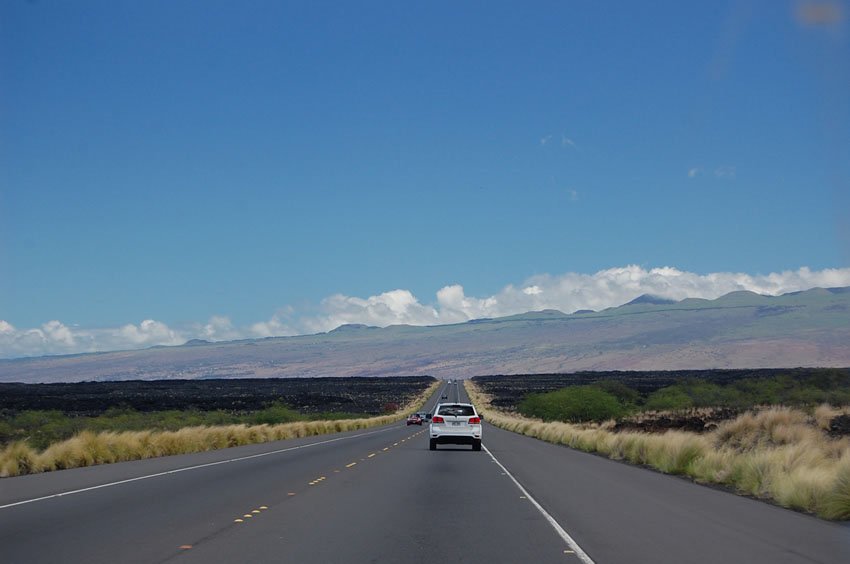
(186, 469)
(581, 554)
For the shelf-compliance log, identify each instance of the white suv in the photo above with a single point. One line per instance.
(457, 424)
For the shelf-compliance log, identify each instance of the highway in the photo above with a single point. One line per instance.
(380, 495)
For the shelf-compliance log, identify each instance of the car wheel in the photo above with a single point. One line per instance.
(476, 445)
(433, 444)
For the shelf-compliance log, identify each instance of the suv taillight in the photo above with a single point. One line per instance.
(475, 421)
(437, 419)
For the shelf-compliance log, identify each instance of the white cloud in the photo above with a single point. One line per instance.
(566, 142)
(694, 172)
(146, 333)
(394, 307)
(725, 171)
(217, 328)
(570, 292)
(54, 337)
(274, 327)
(566, 292)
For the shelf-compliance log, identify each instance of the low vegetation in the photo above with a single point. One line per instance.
(681, 389)
(204, 432)
(781, 454)
(42, 428)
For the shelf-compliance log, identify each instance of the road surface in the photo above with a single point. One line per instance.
(381, 496)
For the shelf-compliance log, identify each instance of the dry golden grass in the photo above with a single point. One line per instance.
(88, 448)
(778, 454)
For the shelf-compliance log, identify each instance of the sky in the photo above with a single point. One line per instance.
(173, 170)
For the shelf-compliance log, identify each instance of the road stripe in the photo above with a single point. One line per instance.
(581, 554)
(197, 467)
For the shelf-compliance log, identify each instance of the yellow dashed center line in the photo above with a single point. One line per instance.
(313, 483)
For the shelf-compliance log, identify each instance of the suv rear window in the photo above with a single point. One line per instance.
(456, 410)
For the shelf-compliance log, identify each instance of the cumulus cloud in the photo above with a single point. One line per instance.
(565, 292)
(148, 332)
(389, 308)
(54, 337)
(217, 328)
(274, 327)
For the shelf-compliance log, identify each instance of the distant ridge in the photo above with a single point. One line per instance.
(738, 330)
(650, 299)
(352, 327)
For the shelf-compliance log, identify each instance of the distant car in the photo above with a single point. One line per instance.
(414, 419)
(422, 415)
(455, 423)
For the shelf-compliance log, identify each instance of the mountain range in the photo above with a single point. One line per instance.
(737, 330)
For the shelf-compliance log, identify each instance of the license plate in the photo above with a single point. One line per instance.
(456, 423)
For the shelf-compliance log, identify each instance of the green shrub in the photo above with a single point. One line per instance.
(628, 397)
(574, 404)
(671, 397)
(274, 414)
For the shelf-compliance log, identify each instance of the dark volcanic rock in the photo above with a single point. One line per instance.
(307, 395)
(840, 426)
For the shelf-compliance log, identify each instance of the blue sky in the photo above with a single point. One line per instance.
(184, 161)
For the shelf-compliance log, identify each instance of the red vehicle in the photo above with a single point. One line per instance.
(414, 419)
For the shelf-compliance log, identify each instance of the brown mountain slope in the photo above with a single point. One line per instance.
(739, 330)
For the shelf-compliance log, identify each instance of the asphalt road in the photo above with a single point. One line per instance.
(381, 496)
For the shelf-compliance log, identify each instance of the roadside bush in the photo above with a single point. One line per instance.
(628, 397)
(275, 413)
(575, 404)
(670, 398)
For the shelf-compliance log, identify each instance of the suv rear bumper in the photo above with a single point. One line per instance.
(456, 439)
